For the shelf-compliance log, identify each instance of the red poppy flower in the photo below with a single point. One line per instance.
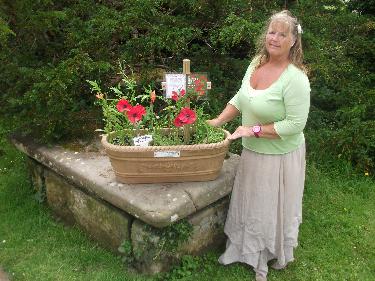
(135, 113)
(123, 105)
(182, 92)
(187, 116)
(175, 96)
(153, 96)
(177, 122)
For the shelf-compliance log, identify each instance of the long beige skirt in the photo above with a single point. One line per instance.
(265, 210)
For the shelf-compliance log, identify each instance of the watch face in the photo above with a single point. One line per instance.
(256, 129)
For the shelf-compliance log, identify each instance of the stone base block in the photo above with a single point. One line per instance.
(36, 174)
(107, 225)
(154, 251)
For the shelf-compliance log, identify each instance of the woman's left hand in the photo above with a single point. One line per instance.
(241, 131)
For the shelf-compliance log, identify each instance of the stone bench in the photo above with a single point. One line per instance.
(146, 219)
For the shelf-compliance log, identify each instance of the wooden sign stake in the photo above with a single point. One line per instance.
(186, 70)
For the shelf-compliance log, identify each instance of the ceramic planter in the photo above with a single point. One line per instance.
(156, 164)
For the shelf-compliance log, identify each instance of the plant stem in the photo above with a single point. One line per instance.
(186, 134)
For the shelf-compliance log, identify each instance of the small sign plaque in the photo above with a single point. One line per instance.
(198, 83)
(163, 154)
(174, 82)
(189, 82)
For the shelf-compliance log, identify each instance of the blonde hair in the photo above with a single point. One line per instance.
(295, 53)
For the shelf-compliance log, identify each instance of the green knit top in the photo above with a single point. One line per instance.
(285, 103)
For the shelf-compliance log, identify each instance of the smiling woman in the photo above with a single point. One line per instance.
(266, 202)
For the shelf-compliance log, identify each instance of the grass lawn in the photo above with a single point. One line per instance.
(337, 237)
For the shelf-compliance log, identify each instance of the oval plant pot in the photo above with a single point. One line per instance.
(156, 164)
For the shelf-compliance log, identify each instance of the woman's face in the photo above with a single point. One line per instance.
(279, 40)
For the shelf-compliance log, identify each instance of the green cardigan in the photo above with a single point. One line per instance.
(285, 103)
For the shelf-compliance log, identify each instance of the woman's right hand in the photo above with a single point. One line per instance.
(214, 122)
(228, 114)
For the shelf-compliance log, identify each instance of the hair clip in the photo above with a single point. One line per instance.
(299, 29)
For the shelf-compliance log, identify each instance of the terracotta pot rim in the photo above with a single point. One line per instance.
(222, 143)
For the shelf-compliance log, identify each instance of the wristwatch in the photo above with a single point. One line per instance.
(256, 130)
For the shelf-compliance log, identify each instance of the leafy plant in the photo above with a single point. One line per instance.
(162, 121)
(188, 267)
(126, 250)
(156, 243)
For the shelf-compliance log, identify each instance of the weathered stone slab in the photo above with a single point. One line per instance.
(156, 204)
(206, 193)
(107, 225)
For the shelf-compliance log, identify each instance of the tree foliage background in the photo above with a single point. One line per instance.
(49, 48)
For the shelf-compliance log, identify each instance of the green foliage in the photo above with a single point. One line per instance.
(126, 250)
(341, 58)
(172, 236)
(188, 267)
(156, 242)
(366, 7)
(5, 32)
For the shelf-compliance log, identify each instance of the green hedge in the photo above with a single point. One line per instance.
(49, 48)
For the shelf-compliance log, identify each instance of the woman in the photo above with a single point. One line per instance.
(266, 203)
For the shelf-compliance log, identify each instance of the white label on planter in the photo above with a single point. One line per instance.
(142, 140)
(167, 154)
